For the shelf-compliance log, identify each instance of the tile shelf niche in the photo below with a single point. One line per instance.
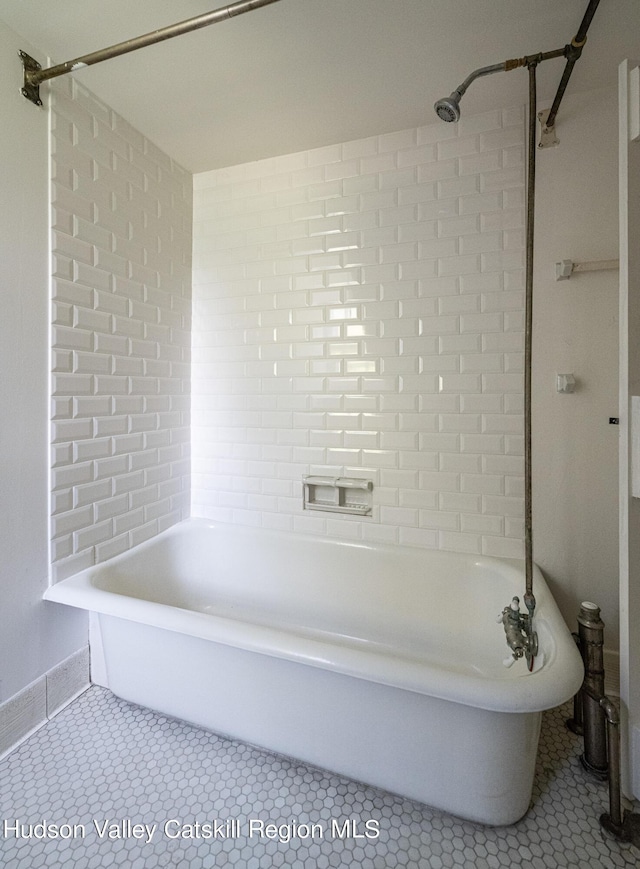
(337, 494)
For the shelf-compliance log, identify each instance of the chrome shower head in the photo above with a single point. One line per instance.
(448, 108)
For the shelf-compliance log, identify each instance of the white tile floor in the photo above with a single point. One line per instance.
(103, 760)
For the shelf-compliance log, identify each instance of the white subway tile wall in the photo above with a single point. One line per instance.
(121, 321)
(358, 311)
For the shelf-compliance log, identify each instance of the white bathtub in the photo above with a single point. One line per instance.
(382, 663)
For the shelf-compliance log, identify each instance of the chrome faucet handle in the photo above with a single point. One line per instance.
(520, 637)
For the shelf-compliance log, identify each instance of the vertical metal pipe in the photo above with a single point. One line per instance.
(615, 817)
(575, 724)
(529, 598)
(623, 825)
(591, 630)
(602, 727)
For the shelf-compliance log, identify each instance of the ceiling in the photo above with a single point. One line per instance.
(301, 74)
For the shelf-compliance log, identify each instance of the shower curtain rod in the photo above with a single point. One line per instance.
(34, 74)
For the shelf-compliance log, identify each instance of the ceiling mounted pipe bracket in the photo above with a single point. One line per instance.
(30, 91)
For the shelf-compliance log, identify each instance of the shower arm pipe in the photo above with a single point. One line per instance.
(477, 73)
(508, 65)
(34, 75)
(573, 52)
(448, 108)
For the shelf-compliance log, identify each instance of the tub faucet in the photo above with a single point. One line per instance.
(521, 638)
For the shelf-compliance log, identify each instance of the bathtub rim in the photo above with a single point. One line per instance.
(559, 678)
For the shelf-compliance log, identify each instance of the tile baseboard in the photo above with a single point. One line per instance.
(32, 707)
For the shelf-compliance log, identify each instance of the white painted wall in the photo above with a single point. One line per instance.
(120, 251)
(34, 636)
(575, 450)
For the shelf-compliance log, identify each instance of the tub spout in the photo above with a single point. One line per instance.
(518, 628)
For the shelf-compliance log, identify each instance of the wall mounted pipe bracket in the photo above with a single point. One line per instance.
(30, 90)
(548, 138)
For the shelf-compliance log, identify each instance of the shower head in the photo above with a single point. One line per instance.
(448, 108)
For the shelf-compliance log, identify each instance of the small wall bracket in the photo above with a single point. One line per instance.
(548, 138)
(565, 384)
(566, 267)
(30, 91)
(337, 495)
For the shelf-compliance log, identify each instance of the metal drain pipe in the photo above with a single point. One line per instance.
(613, 822)
(591, 634)
(623, 826)
(601, 726)
(575, 724)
